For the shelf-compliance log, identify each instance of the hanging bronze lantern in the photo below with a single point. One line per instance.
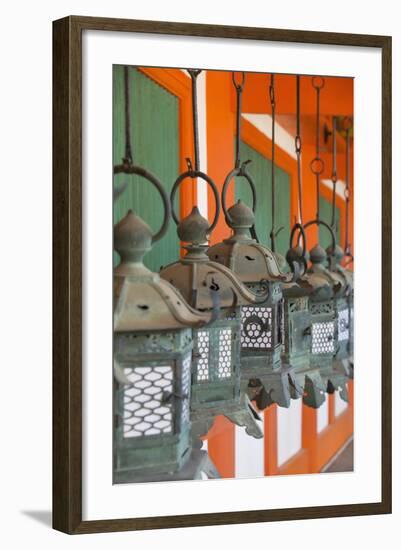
(329, 289)
(152, 360)
(152, 355)
(297, 315)
(325, 302)
(298, 328)
(208, 286)
(344, 306)
(262, 374)
(344, 356)
(216, 369)
(262, 333)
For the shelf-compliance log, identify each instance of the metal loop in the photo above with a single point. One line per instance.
(239, 87)
(241, 171)
(272, 96)
(318, 82)
(347, 193)
(128, 168)
(193, 174)
(300, 228)
(327, 226)
(298, 144)
(317, 166)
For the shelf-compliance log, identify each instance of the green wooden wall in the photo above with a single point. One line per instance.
(260, 170)
(325, 215)
(155, 145)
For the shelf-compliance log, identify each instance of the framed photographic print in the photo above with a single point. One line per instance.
(222, 274)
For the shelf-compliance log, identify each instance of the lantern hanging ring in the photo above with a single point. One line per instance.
(196, 174)
(238, 86)
(318, 82)
(241, 171)
(324, 224)
(127, 168)
(299, 227)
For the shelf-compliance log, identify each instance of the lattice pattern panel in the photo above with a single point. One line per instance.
(343, 325)
(202, 374)
(185, 389)
(256, 327)
(224, 367)
(144, 413)
(323, 337)
(324, 307)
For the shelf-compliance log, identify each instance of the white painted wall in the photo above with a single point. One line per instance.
(289, 431)
(339, 405)
(323, 416)
(249, 454)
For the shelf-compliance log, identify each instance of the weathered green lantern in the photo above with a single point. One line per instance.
(325, 302)
(262, 333)
(262, 374)
(209, 286)
(345, 305)
(298, 331)
(152, 361)
(297, 315)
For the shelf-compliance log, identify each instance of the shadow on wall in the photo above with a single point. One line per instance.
(41, 516)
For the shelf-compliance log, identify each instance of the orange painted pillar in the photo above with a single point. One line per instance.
(270, 441)
(220, 124)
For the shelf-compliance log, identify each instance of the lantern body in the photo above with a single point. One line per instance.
(216, 368)
(325, 304)
(262, 324)
(152, 367)
(216, 365)
(152, 434)
(344, 308)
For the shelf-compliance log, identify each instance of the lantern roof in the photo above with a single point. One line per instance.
(319, 276)
(251, 261)
(196, 276)
(142, 300)
(336, 267)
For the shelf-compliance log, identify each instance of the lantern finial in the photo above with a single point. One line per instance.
(132, 240)
(194, 228)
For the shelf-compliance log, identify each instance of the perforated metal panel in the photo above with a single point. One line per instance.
(214, 353)
(203, 350)
(144, 413)
(343, 325)
(256, 328)
(224, 367)
(186, 389)
(323, 337)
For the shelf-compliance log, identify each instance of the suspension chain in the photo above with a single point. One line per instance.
(194, 73)
(334, 175)
(128, 146)
(273, 108)
(238, 88)
(298, 148)
(347, 124)
(317, 164)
